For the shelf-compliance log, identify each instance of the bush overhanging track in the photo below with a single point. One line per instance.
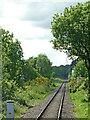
(50, 101)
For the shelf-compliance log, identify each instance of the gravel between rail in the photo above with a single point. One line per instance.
(66, 113)
(53, 108)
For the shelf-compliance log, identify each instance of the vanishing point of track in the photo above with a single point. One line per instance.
(61, 91)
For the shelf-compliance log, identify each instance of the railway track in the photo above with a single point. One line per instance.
(53, 108)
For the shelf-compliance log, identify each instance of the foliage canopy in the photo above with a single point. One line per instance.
(71, 33)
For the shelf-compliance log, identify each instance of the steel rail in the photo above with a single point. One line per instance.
(61, 104)
(39, 116)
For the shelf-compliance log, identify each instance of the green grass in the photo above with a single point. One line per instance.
(80, 100)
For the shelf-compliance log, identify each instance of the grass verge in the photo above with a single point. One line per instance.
(80, 100)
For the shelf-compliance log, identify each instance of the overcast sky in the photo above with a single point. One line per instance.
(30, 21)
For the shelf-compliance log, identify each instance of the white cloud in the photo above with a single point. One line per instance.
(41, 13)
(24, 30)
(60, 58)
(12, 10)
(28, 20)
(50, 0)
(1, 8)
(35, 47)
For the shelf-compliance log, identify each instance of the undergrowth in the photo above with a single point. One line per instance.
(79, 97)
(31, 94)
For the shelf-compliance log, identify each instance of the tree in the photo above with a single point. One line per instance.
(43, 65)
(80, 70)
(29, 72)
(32, 61)
(12, 58)
(61, 71)
(71, 34)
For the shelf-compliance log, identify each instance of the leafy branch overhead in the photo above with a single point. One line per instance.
(70, 30)
(71, 34)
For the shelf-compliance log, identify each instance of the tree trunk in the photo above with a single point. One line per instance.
(89, 84)
(89, 80)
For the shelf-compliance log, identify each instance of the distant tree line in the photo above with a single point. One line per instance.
(63, 71)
